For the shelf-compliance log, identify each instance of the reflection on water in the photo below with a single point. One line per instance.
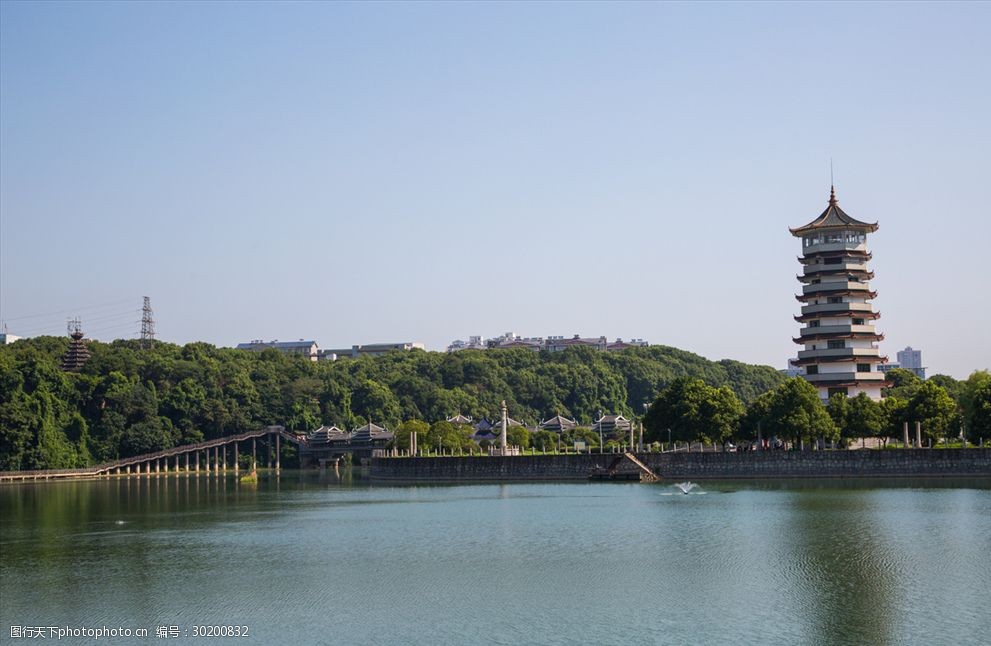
(331, 558)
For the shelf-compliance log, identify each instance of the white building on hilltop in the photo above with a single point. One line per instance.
(308, 349)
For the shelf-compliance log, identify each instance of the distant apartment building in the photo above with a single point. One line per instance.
(473, 343)
(7, 339)
(368, 350)
(551, 343)
(307, 349)
(910, 359)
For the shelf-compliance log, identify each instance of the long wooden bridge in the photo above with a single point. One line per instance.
(208, 456)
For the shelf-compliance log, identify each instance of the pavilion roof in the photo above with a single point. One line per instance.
(833, 218)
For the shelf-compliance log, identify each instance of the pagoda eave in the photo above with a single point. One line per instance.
(864, 293)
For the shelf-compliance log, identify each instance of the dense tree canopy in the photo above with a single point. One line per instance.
(693, 411)
(128, 400)
(794, 410)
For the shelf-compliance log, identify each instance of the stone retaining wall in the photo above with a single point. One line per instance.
(765, 464)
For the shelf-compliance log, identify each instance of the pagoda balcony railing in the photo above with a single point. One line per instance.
(861, 254)
(839, 285)
(867, 316)
(866, 353)
(826, 308)
(845, 376)
(812, 270)
(838, 329)
(834, 246)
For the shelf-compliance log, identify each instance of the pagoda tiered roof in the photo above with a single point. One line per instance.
(76, 355)
(864, 292)
(826, 336)
(861, 275)
(833, 218)
(813, 256)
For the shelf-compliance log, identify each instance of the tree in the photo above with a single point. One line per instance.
(935, 409)
(864, 417)
(721, 411)
(580, 434)
(403, 433)
(837, 406)
(796, 411)
(518, 436)
(754, 421)
(975, 401)
(904, 383)
(893, 417)
(447, 436)
(544, 440)
(693, 411)
(952, 387)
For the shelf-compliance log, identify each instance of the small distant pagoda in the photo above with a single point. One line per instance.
(840, 352)
(78, 354)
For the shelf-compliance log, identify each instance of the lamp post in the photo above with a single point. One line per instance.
(601, 446)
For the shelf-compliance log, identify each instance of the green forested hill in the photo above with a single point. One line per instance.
(128, 401)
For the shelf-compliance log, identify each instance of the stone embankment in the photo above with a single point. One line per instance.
(922, 463)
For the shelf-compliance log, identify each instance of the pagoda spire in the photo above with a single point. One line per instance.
(832, 195)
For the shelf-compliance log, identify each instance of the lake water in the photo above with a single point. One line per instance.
(314, 559)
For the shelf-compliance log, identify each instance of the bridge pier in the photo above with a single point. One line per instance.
(207, 460)
(196, 460)
(225, 458)
(254, 455)
(156, 461)
(216, 460)
(177, 469)
(236, 468)
(278, 438)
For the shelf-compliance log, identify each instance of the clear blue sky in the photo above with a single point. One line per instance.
(356, 173)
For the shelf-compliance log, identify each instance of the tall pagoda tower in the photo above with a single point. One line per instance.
(77, 354)
(840, 353)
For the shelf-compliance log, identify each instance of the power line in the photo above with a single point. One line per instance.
(69, 311)
(41, 328)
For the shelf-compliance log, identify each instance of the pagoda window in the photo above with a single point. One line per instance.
(858, 321)
(835, 345)
(812, 370)
(837, 391)
(815, 281)
(863, 367)
(834, 299)
(833, 261)
(813, 323)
